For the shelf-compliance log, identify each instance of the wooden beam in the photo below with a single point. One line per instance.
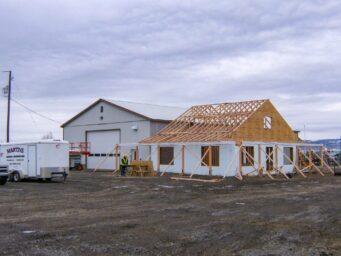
(170, 163)
(210, 160)
(231, 162)
(117, 158)
(137, 152)
(332, 158)
(260, 168)
(297, 160)
(281, 171)
(312, 164)
(268, 157)
(158, 158)
(198, 180)
(194, 155)
(240, 165)
(295, 166)
(324, 163)
(201, 161)
(183, 160)
(310, 159)
(321, 156)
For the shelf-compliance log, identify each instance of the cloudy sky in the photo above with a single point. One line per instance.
(65, 54)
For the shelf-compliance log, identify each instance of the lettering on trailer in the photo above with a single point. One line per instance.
(15, 150)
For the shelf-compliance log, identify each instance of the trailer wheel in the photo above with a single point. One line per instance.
(16, 177)
(3, 180)
(64, 177)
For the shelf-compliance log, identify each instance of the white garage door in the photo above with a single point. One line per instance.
(102, 143)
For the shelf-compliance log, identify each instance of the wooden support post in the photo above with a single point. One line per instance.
(240, 165)
(324, 163)
(210, 160)
(310, 159)
(297, 160)
(137, 153)
(268, 157)
(321, 156)
(170, 163)
(183, 160)
(158, 158)
(332, 158)
(260, 168)
(117, 158)
(201, 161)
(293, 163)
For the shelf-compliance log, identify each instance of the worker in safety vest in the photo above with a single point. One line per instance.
(124, 165)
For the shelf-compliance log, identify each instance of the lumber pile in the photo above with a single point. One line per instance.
(141, 168)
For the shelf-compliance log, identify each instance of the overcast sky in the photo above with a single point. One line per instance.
(65, 54)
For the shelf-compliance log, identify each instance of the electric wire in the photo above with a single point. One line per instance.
(35, 112)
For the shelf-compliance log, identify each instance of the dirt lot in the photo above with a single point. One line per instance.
(106, 215)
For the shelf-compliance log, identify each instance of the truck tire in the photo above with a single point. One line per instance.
(16, 177)
(3, 180)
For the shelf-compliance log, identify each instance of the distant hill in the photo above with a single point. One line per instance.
(329, 143)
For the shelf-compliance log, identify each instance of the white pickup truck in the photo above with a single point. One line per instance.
(3, 174)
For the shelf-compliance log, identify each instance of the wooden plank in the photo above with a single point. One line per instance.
(194, 155)
(260, 168)
(183, 160)
(321, 156)
(201, 161)
(137, 152)
(310, 159)
(117, 160)
(234, 157)
(324, 163)
(170, 163)
(313, 166)
(197, 180)
(295, 166)
(276, 157)
(240, 165)
(281, 171)
(158, 158)
(332, 158)
(210, 160)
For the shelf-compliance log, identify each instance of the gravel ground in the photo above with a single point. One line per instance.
(106, 215)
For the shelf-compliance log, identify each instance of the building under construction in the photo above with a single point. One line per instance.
(234, 139)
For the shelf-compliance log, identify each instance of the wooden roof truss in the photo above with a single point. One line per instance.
(205, 123)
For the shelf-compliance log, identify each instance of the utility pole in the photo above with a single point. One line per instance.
(8, 103)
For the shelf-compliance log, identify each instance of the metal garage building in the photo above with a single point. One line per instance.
(108, 122)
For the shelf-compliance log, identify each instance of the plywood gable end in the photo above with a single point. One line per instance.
(267, 125)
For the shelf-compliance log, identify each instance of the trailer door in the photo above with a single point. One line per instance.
(32, 161)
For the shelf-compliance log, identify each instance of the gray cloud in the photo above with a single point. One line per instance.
(65, 54)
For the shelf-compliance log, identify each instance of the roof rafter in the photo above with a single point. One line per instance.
(214, 122)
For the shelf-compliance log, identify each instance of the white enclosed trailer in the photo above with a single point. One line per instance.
(44, 159)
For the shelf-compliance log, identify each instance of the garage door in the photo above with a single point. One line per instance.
(102, 143)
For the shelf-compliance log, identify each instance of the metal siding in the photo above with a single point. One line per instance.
(155, 127)
(119, 120)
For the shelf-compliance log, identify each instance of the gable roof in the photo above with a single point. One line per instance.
(204, 123)
(148, 111)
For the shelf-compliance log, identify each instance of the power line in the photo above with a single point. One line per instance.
(35, 112)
